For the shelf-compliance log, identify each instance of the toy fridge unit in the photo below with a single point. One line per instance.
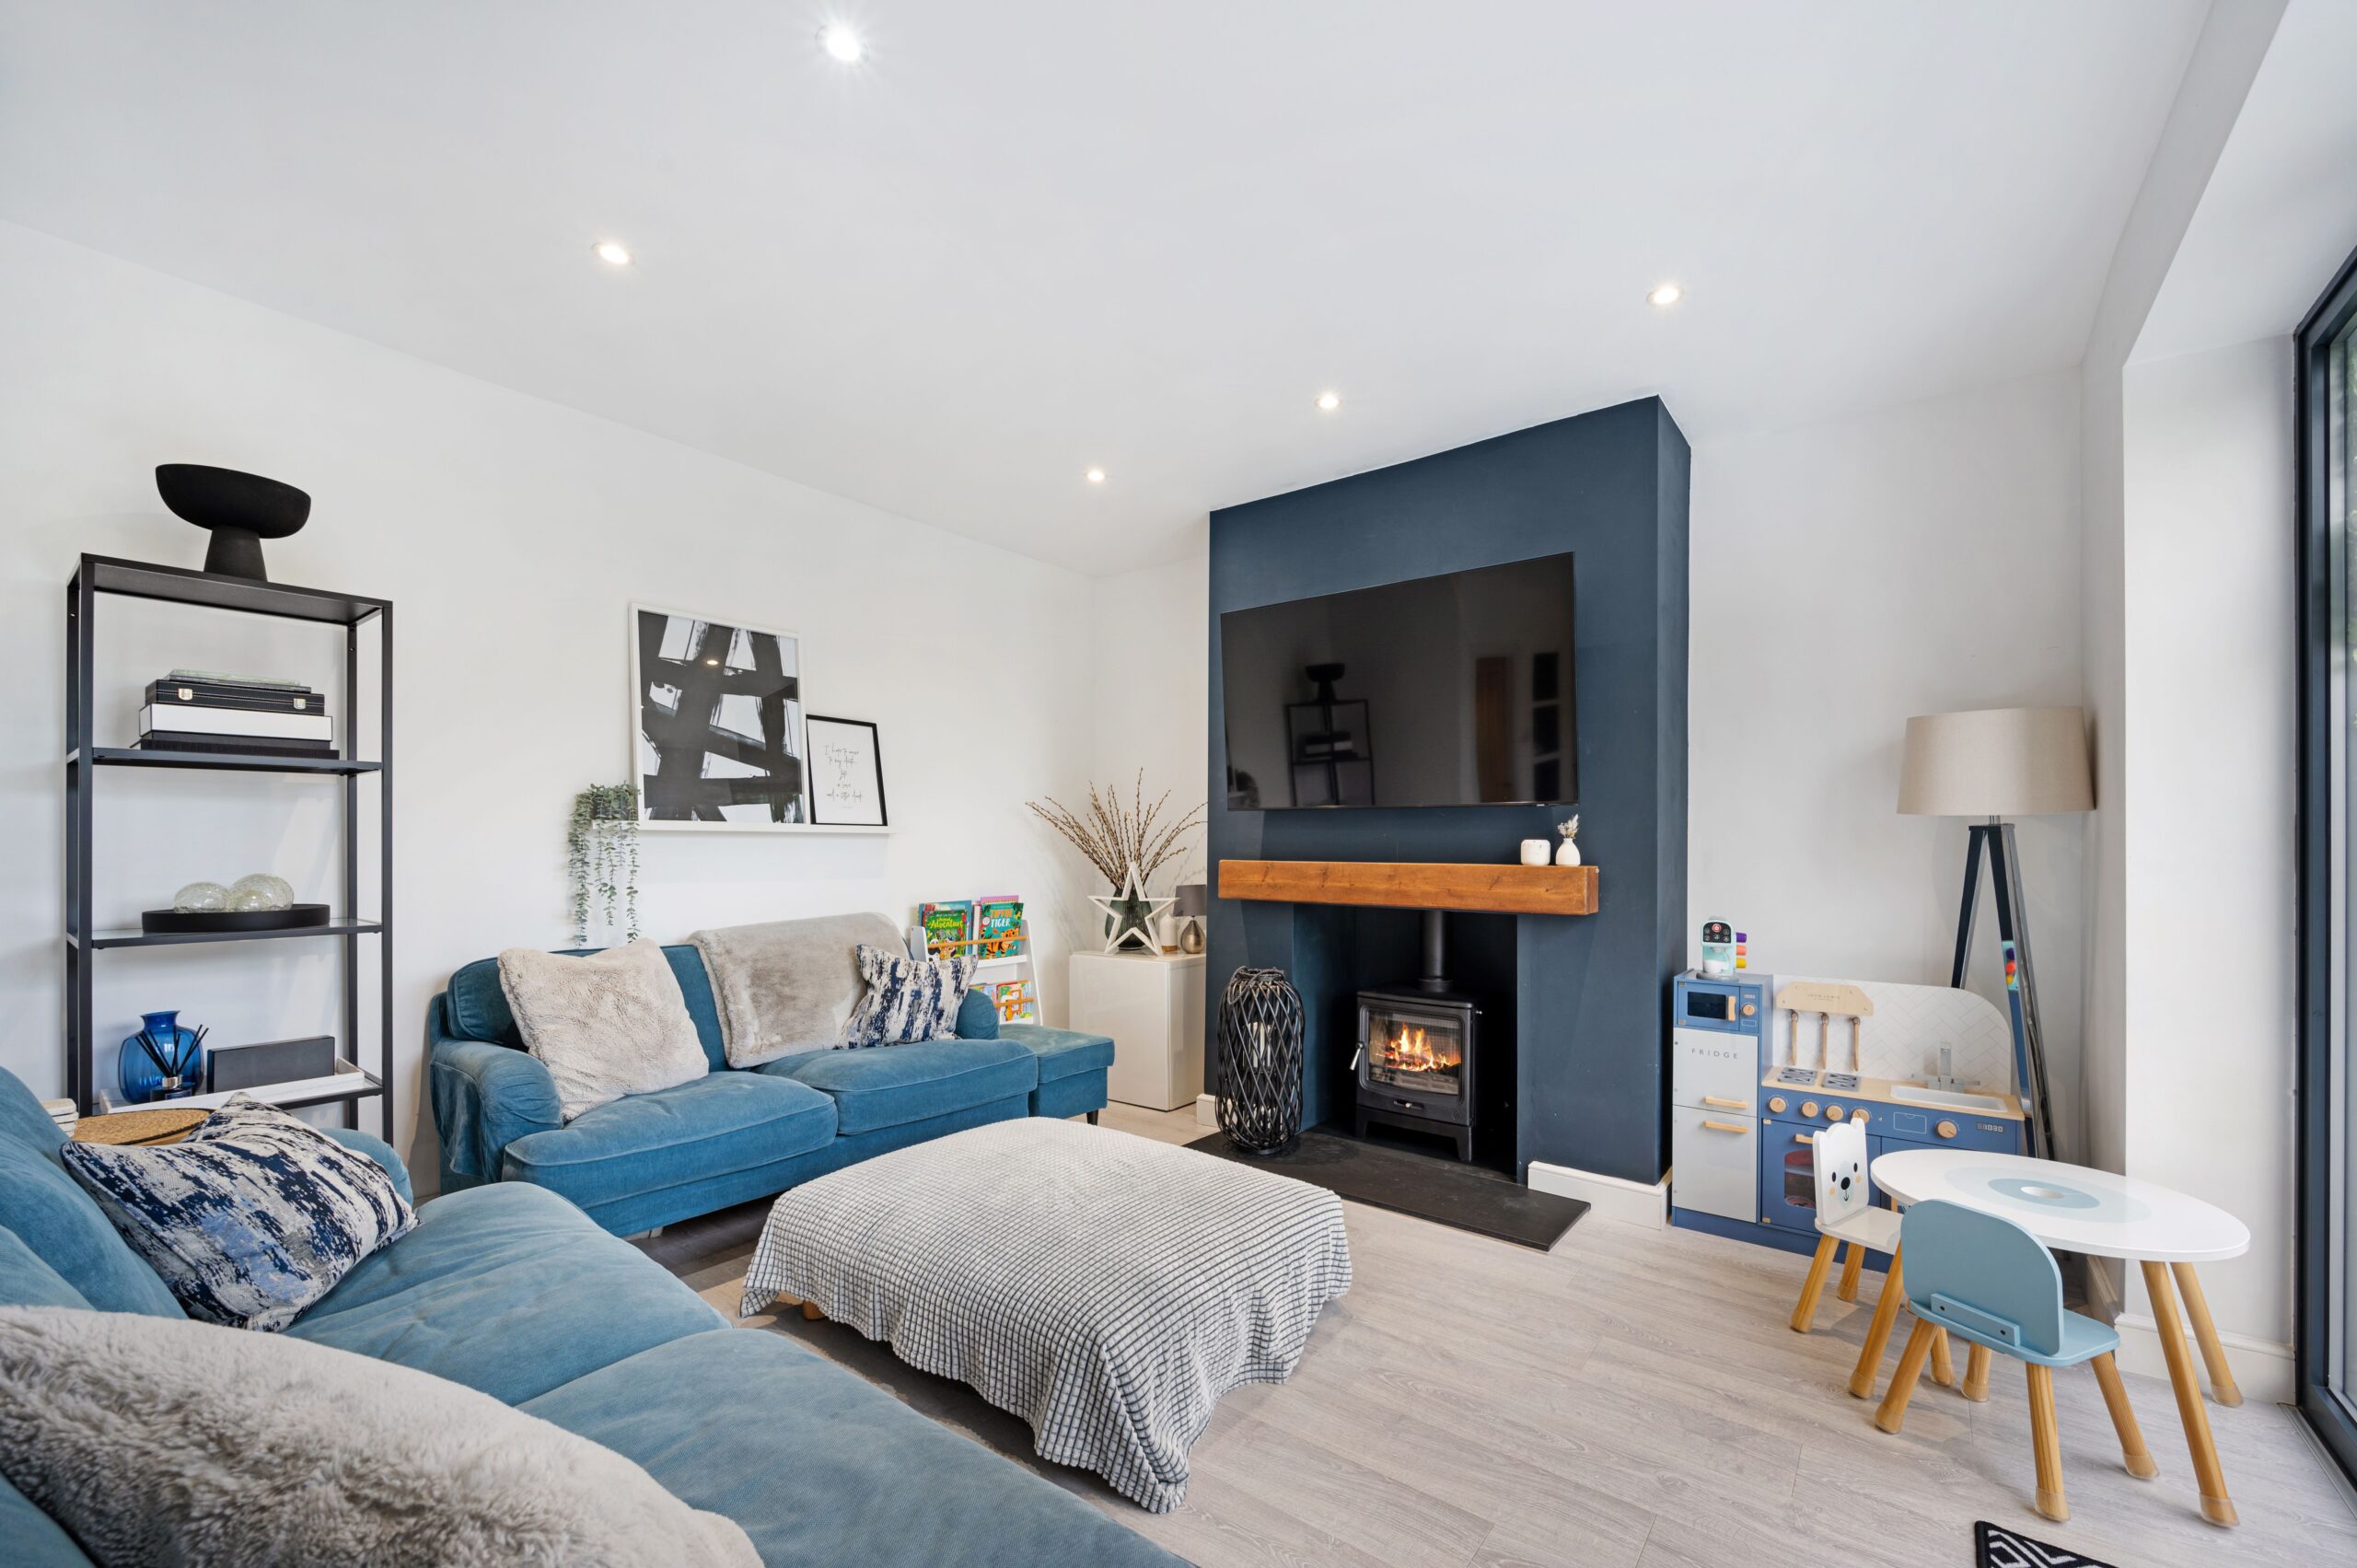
(1718, 1045)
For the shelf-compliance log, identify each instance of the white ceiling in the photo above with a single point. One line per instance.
(1030, 236)
(2279, 214)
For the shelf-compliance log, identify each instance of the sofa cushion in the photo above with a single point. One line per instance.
(605, 1025)
(508, 1289)
(894, 1084)
(909, 999)
(822, 1467)
(24, 1119)
(27, 1281)
(189, 1442)
(250, 1219)
(479, 1009)
(1063, 1053)
(720, 1122)
(55, 1217)
(977, 1015)
(35, 1541)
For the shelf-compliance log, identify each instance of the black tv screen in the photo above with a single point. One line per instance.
(1448, 690)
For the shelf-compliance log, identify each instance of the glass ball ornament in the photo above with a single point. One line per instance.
(260, 891)
(200, 897)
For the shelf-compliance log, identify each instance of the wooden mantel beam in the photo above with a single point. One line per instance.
(1497, 889)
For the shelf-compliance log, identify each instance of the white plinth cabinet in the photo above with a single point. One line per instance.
(1151, 1005)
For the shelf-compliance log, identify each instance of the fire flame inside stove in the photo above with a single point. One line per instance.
(1408, 1051)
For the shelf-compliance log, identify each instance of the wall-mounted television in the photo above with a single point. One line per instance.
(1447, 690)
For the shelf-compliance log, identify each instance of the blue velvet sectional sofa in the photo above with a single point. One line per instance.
(735, 1134)
(512, 1290)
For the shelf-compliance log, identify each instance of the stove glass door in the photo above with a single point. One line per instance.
(1418, 1051)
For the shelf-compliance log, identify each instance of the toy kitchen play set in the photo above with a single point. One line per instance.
(1759, 1066)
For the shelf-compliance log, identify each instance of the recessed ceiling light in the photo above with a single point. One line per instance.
(842, 42)
(611, 252)
(1329, 401)
(1095, 476)
(1667, 294)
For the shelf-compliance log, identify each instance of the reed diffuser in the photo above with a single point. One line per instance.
(163, 1060)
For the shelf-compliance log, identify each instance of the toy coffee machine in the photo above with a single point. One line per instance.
(1759, 1066)
(1723, 949)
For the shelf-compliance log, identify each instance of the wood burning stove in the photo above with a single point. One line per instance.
(1416, 1057)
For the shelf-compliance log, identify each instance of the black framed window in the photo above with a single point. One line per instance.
(2327, 861)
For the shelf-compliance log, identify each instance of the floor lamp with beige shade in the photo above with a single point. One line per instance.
(1994, 763)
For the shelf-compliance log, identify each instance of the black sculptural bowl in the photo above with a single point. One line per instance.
(240, 509)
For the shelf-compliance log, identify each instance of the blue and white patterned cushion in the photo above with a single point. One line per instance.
(251, 1219)
(908, 999)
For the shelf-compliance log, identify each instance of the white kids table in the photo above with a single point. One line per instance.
(2073, 1209)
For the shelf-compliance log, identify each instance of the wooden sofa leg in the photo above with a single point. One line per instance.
(810, 1313)
(1092, 1119)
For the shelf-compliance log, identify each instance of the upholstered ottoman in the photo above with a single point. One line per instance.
(1106, 1288)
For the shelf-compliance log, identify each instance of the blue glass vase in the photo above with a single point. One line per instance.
(142, 1081)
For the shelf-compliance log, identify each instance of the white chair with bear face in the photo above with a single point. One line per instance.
(1847, 1216)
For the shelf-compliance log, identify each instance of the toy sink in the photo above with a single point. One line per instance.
(1953, 1099)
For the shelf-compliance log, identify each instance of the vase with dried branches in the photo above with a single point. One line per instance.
(1128, 842)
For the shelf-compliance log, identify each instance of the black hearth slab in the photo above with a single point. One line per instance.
(1467, 1197)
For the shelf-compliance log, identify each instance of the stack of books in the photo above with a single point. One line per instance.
(195, 711)
(61, 1111)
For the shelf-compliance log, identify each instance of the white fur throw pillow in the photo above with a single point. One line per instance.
(160, 1441)
(609, 1024)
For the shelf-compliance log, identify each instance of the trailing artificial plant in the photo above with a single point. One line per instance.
(601, 853)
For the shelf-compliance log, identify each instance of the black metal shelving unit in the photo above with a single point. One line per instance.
(100, 577)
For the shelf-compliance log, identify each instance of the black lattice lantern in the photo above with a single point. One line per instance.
(1260, 1062)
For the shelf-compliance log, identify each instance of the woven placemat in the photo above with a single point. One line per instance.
(164, 1126)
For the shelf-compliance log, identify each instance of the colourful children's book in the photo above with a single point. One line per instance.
(998, 925)
(951, 920)
(1013, 1000)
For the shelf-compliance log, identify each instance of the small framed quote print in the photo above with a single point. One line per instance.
(846, 773)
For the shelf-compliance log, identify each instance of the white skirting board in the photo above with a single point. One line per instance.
(1611, 1197)
(2264, 1370)
(1206, 1111)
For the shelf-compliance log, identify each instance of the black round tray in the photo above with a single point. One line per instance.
(176, 923)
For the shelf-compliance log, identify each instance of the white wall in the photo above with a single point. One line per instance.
(1150, 694)
(2226, 56)
(2209, 657)
(1845, 576)
(510, 533)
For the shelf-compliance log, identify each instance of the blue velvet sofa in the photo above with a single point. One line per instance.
(511, 1290)
(735, 1134)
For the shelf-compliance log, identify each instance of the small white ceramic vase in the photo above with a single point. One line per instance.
(1535, 852)
(1567, 853)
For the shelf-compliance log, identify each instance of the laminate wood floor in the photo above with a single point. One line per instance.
(1631, 1399)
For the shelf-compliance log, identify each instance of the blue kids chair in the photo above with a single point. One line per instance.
(1993, 1285)
(1845, 1214)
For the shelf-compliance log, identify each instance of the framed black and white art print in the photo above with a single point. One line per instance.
(716, 714)
(846, 773)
